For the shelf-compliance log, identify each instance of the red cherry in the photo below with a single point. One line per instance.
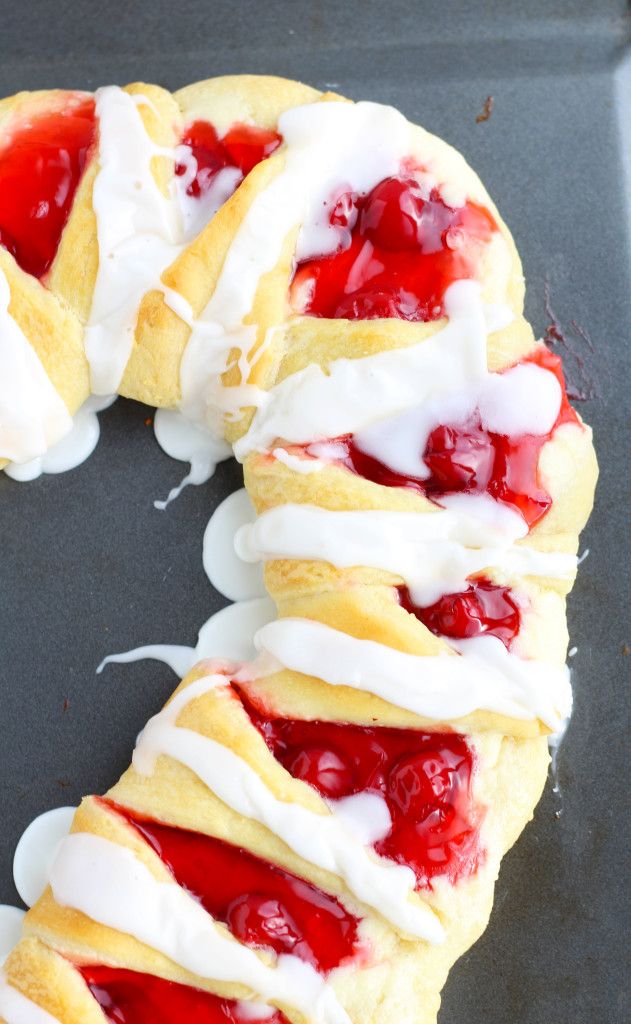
(459, 459)
(247, 145)
(483, 608)
(261, 921)
(392, 213)
(324, 770)
(417, 781)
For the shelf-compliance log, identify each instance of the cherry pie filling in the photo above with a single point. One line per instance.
(400, 249)
(425, 780)
(263, 905)
(242, 147)
(465, 458)
(483, 609)
(41, 164)
(132, 997)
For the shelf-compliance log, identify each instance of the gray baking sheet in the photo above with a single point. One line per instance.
(88, 566)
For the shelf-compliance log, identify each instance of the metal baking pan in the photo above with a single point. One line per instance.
(90, 567)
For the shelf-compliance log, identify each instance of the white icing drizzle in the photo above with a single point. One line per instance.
(226, 634)
(321, 839)
(16, 1008)
(33, 415)
(186, 441)
(109, 884)
(523, 400)
(433, 552)
(36, 852)
(233, 577)
(314, 404)
(197, 210)
(72, 450)
(486, 677)
(139, 232)
(326, 145)
(11, 919)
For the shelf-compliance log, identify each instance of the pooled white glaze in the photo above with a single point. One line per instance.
(433, 552)
(33, 415)
(139, 232)
(109, 884)
(486, 677)
(188, 442)
(36, 852)
(227, 634)
(326, 145)
(71, 450)
(312, 405)
(11, 919)
(321, 839)
(233, 577)
(16, 1008)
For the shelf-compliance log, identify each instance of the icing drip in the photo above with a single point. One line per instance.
(139, 232)
(16, 1008)
(36, 852)
(32, 414)
(188, 442)
(227, 634)
(109, 884)
(236, 579)
(321, 839)
(441, 687)
(71, 450)
(434, 553)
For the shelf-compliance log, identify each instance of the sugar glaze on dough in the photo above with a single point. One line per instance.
(209, 332)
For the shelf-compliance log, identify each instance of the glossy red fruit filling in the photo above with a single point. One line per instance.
(132, 997)
(41, 163)
(263, 905)
(483, 609)
(466, 458)
(399, 252)
(243, 146)
(425, 779)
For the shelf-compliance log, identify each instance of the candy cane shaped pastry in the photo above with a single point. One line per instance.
(315, 836)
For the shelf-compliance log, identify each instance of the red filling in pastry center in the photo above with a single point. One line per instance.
(400, 249)
(425, 780)
(483, 609)
(41, 163)
(262, 904)
(242, 147)
(465, 458)
(132, 997)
